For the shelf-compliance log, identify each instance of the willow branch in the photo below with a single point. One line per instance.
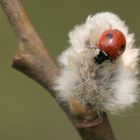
(33, 59)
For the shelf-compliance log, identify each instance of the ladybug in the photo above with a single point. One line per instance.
(111, 44)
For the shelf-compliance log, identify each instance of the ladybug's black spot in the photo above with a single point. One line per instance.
(122, 48)
(109, 36)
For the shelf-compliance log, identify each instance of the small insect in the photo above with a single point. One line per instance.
(111, 44)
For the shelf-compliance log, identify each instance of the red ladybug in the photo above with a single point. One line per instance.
(112, 42)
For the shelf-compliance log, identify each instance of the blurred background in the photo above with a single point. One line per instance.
(27, 111)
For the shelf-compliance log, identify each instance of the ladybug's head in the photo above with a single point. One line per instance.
(111, 44)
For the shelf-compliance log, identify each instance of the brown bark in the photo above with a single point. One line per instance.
(33, 59)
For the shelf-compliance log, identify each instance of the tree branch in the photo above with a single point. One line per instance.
(32, 59)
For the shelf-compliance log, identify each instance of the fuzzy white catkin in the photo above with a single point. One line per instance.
(117, 87)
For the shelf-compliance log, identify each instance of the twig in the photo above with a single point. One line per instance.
(32, 59)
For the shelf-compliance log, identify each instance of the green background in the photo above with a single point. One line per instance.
(27, 111)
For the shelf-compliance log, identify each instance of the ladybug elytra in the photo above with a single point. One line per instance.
(111, 44)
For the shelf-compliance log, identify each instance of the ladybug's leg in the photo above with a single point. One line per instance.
(101, 57)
